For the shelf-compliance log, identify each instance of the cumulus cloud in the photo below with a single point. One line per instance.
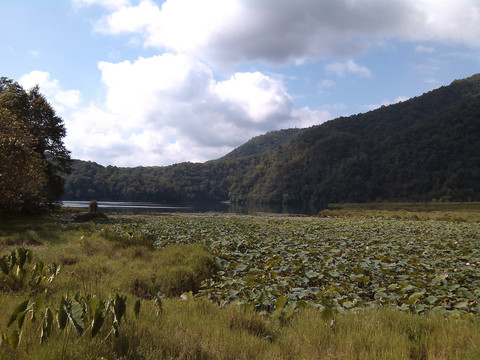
(173, 107)
(60, 99)
(169, 108)
(233, 31)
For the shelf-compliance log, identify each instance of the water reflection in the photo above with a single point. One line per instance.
(147, 208)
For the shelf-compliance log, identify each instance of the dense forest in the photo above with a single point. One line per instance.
(426, 148)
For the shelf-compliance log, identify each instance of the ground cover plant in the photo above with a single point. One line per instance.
(240, 287)
(331, 263)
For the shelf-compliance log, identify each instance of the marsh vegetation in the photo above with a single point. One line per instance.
(349, 284)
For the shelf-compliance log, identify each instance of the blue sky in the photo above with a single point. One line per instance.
(145, 82)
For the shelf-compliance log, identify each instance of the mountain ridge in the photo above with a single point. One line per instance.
(424, 148)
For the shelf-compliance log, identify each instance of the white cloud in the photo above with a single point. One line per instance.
(169, 108)
(305, 117)
(385, 102)
(60, 99)
(109, 4)
(424, 49)
(131, 19)
(233, 31)
(259, 96)
(443, 20)
(326, 83)
(348, 67)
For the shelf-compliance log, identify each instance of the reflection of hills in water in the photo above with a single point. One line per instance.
(128, 207)
(149, 208)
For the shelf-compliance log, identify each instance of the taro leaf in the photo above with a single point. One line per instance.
(241, 267)
(12, 259)
(314, 290)
(4, 265)
(408, 288)
(120, 306)
(46, 325)
(75, 315)
(462, 305)
(54, 269)
(311, 274)
(289, 309)
(19, 314)
(280, 302)
(136, 308)
(93, 304)
(432, 299)
(417, 295)
(14, 339)
(38, 304)
(22, 256)
(263, 299)
(98, 320)
(469, 295)
(419, 308)
(250, 294)
(348, 304)
(115, 326)
(37, 272)
(232, 293)
(62, 316)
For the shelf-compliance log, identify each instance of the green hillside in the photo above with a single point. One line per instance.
(262, 143)
(424, 148)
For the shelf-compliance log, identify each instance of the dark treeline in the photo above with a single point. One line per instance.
(425, 148)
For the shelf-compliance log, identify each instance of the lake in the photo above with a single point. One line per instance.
(149, 208)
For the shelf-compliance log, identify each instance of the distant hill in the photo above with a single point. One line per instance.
(262, 143)
(425, 148)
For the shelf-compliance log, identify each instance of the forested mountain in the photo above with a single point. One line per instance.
(423, 148)
(262, 143)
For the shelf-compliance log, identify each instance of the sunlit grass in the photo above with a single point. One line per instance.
(458, 212)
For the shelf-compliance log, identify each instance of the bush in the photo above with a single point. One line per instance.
(91, 216)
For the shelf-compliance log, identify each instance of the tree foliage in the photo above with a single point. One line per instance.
(33, 158)
(23, 174)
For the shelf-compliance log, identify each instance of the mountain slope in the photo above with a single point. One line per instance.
(262, 143)
(426, 147)
(423, 148)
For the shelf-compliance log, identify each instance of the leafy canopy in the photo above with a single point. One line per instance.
(33, 157)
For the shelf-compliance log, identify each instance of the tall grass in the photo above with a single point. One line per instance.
(380, 334)
(197, 329)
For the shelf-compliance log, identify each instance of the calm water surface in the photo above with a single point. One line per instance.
(148, 208)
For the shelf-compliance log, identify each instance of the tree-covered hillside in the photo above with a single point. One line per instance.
(262, 143)
(424, 148)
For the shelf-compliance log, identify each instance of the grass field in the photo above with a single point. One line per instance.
(353, 283)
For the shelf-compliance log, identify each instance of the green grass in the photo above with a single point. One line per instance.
(123, 260)
(446, 211)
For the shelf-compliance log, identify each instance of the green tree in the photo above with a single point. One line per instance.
(23, 175)
(45, 129)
